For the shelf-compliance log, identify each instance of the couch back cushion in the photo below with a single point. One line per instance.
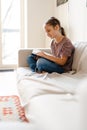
(79, 50)
(82, 65)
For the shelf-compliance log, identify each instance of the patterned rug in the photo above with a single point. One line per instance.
(11, 109)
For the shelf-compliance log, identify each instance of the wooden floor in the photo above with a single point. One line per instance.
(8, 83)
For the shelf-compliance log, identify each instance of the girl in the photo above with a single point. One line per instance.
(62, 49)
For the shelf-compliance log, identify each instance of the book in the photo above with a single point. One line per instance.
(35, 51)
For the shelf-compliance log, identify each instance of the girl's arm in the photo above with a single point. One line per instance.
(60, 61)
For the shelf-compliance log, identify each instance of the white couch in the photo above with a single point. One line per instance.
(54, 101)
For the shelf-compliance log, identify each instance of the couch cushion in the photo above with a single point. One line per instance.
(54, 112)
(31, 85)
(82, 65)
(80, 46)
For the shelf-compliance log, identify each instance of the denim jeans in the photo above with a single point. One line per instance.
(41, 64)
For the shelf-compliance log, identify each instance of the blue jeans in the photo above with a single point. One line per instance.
(41, 64)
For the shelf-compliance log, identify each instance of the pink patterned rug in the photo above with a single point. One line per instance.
(11, 109)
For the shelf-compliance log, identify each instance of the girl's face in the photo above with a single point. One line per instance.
(51, 31)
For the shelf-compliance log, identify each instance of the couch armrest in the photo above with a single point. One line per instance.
(23, 54)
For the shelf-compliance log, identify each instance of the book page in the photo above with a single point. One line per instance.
(35, 51)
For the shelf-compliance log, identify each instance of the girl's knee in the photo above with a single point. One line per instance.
(40, 62)
(31, 62)
(29, 57)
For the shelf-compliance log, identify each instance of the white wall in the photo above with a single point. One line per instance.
(77, 19)
(85, 24)
(38, 12)
(73, 16)
(61, 12)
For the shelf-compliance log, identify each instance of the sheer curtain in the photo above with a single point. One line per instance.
(12, 31)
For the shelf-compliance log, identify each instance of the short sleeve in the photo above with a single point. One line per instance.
(66, 49)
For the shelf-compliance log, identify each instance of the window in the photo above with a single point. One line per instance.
(11, 31)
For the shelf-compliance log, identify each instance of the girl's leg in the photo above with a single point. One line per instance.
(48, 66)
(31, 60)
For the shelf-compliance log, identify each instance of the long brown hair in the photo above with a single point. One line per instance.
(53, 22)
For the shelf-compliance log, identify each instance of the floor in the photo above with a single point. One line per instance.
(8, 83)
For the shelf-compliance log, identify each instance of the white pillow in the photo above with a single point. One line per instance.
(79, 49)
(82, 65)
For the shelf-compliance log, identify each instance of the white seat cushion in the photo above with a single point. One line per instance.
(54, 112)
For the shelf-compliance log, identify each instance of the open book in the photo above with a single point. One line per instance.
(35, 51)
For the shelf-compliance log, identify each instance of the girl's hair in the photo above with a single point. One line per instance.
(53, 22)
